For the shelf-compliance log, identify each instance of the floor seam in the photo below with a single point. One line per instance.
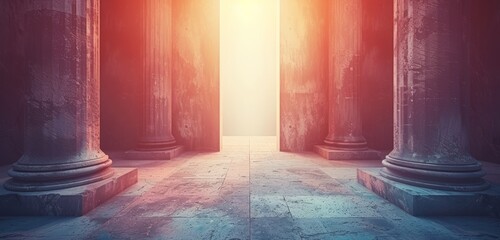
(249, 192)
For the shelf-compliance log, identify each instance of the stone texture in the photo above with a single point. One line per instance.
(196, 109)
(429, 202)
(303, 74)
(75, 201)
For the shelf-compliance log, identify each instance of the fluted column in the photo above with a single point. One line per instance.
(157, 86)
(345, 49)
(345, 136)
(156, 140)
(62, 140)
(430, 134)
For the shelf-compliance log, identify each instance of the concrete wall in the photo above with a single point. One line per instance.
(303, 74)
(196, 74)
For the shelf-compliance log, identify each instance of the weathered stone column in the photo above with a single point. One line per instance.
(345, 137)
(156, 140)
(62, 145)
(430, 134)
(62, 135)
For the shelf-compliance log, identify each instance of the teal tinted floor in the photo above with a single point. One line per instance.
(250, 191)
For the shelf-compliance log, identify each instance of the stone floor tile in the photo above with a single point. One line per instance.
(188, 186)
(355, 228)
(188, 206)
(340, 173)
(234, 188)
(289, 173)
(296, 187)
(111, 208)
(268, 206)
(141, 187)
(470, 227)
(48, 227)
(332, 206)
(274, 228)
(173, 228)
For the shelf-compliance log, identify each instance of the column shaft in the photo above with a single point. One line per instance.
(345, 130)
(62, 135)
(156, 132)
(430, 133)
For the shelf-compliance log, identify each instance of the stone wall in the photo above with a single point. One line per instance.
(196, 74)
(303, 74)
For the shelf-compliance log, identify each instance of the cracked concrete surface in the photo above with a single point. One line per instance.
(250, 191)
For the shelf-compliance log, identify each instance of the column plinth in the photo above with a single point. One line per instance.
(345, 139)
(430, 130)
(156, 141)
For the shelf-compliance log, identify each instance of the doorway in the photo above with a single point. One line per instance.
(249, 69)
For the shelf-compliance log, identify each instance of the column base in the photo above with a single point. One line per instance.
(154, 155)
(21, 185)
(420, 201)
(345, 154)
(75, 201)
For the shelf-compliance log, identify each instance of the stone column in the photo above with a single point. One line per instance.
(156, 140)
(430, 90)
(345, 138)
(63, 171)
(61, 141)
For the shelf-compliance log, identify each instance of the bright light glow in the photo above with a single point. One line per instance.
(249, 67)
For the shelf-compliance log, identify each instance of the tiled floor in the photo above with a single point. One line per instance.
(250, 191)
